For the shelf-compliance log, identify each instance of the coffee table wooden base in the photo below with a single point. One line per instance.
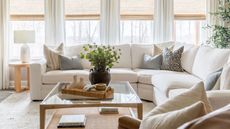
(43, 109)
(94, 119)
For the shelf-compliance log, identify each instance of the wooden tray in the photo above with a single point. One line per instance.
(96, 94)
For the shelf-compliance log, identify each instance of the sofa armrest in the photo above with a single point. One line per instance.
(218, 98)
(127, 122)
(37, 69)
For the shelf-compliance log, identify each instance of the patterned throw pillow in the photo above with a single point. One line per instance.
(172, 60)
(52, 57)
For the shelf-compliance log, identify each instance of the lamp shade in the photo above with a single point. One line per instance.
(24, 36)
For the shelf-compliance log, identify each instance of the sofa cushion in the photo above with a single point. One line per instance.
(125, 58)
(225, 77)
(70, 63)
(145, 75)
(209, 60)
(188, 55)
(193, 95)
(117, 74)
(53, 77)
(218, 119)
(159, 47)
(152, 62)
(174, 80)
(172, 60)
(137, 53)
(75, 51)
(174, 119)
(123, 74)
(52, 57)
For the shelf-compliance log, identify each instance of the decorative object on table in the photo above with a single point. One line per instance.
(220, 37)
(102, 58)
(24, 37)
(72, 121)
(77, 84)
(108, 110)
(89, 91)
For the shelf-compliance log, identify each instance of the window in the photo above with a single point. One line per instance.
(82, 21)
(27, 15)
(136, 25)
(189, 20)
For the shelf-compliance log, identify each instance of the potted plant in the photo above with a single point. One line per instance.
(102, 58)
(220, 37)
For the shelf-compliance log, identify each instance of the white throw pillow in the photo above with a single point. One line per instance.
(174, 119)
(225, 77)
(52, 57)
(191, 96)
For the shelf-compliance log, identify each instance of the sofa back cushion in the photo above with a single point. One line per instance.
(188, 55)
(75, 51)
(138, 51)
(125, 60)
(208, 60)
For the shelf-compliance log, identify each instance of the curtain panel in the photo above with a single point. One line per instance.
(54, 22)
(163, 20)
(4, 18)
(110, 21)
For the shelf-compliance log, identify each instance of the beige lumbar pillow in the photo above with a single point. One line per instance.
(52, 57)
(174, 119)
(225, 77)
(191, 96)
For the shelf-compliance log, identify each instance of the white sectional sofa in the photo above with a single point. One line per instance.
(153, 85)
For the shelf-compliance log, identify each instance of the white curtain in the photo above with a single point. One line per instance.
(163, 20)
(54, 22)
(211, 7)
(4, 42)
(110, 21)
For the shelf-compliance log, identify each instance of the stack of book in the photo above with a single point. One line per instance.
(72, 121)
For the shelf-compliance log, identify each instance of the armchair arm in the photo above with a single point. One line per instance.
(218, 98)
(127, 122)
(36, 71)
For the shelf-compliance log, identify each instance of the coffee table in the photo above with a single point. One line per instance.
(124, 96)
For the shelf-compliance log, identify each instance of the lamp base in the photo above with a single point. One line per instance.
(25, 53)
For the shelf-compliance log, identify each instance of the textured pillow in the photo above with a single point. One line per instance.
(218, 119)
(225, 77)
(68, 63)
(174, 119)
(52, 57)
(211, 79)
(152, 62)
(172, 60)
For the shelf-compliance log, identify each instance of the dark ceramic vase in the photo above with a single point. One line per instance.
(99, 76)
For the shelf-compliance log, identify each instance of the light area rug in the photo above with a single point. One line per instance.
(18, 112)
(4, 94)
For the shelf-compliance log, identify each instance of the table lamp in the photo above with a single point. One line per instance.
(24, 37)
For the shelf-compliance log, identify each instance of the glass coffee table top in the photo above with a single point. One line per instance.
(123, 94)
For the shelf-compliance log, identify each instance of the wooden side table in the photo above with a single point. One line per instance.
(17, 74)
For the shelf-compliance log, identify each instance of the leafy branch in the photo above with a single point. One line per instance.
(101, 57)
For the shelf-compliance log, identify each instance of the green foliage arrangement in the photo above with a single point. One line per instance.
(101, 57)
(220, 37)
